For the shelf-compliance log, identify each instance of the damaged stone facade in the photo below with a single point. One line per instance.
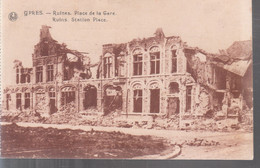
(147, 78)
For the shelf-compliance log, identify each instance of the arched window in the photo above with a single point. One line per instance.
(138, 62)
(155, 60)
(137, 98)
(107, 65)
(154, 97)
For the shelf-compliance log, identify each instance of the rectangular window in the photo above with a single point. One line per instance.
(155, 101)
(8, 99)
(155, 63)
(23, 76)
(26, 100)
(107, 67)
(138, 101)
(50, 73)
(174, 61)
(18, 101)
(28, 78)
(52, 95)
(39, 74)
(17, 75)
(188, 98)
(138, 64)
(52, 103)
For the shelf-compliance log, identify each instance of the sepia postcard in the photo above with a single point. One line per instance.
(127, 79)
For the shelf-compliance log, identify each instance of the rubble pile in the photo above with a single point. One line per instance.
(200, 142)
(69, 115)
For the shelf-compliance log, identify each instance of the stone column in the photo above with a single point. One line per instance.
(22, 100)
(163, 99)
(34, 100)
(81, 98)
(12, 104)
(31, 101)
(99, 99)
(124, 103)
(58, 97)
(146, 100)
(33, 76)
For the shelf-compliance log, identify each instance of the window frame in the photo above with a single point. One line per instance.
(50, 73)
(174, 59)
(19, 98)
(188, 97)
(137, 62)
(136, 96)
(39, 74)
(107, 65)
(27, 99)
(155, 60)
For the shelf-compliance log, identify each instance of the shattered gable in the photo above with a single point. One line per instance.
(240, 50)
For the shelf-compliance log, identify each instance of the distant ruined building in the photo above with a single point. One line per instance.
(142, 78)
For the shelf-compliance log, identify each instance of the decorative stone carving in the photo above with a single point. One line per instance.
(137, 86)
(154, 85)
(137, 51)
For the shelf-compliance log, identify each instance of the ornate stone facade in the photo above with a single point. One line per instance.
(155, 76)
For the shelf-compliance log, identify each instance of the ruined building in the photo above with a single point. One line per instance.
(153, 76)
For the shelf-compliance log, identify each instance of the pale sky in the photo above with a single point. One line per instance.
(207, 24)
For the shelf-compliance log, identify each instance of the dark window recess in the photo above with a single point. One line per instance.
(8, 99)
(189, 53)
(188, 98)
(155, 63)
(155, 101)
(50, 72)
(107, 67)
(17, 76)
(138, 101)
(68, 70)
(28, 78)
(39, 74)
(174, 87)
(138, 64)
(236, 95)
(220, 78)
(26, 100)
(52, 104)
(23, 76)
(174, 61)
(173, 106)
(236, 83)
(189, 69)
(90, 99)
(112, 99)
(19, 101)
(67, 97)
(218, 101)
(45, 49)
